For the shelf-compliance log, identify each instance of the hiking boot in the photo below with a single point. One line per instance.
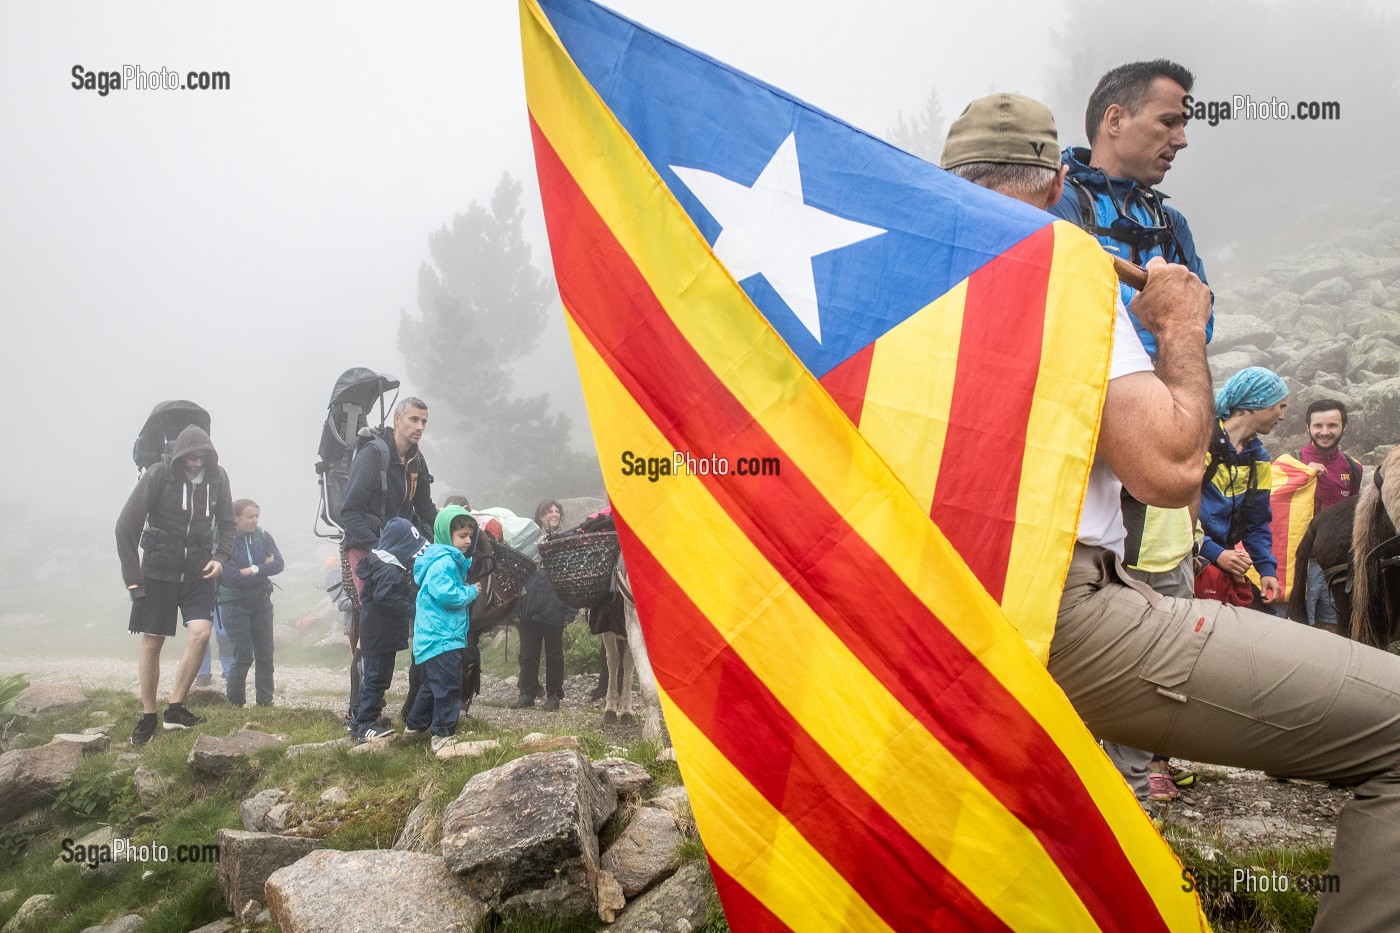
(441, 742)
(1182, 777)
(145, 728)
(1160, 786)
(177, 717)
(552, 705)
(524, 701)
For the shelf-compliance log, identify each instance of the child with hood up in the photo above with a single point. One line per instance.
(386, 619)
(440, 629)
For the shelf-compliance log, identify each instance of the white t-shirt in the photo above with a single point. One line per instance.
(1101, 521)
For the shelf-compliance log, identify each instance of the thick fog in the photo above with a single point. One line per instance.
(242, 247)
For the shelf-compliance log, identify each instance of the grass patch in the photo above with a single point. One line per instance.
(1237, 887)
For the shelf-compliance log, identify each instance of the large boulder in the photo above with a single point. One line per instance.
(1376, 355)
(217, 755)
(371, 891)
(1328, 293)
(30, 776)
(1226, 364)
(1239, 330)
(530, 824)
(627, 776)
(681, 902)
(47, 698)
(1319, 269)
(35, 913)
(1327, 356)
(247, 860)
(645, 852)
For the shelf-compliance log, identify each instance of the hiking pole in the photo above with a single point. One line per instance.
(1130, 274)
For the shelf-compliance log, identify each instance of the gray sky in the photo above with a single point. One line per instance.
(241, 248)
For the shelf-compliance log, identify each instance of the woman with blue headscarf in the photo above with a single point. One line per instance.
(1235, 513)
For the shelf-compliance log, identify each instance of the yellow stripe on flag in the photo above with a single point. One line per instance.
(1064, 419)
(910, 391)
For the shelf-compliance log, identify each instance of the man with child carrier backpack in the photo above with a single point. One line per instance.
(388, 479)
(180, 516)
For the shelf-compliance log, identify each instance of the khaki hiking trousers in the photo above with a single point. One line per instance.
(1196, 679)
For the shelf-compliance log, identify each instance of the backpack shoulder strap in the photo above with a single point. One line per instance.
(1356, 470)
(1215, 455)
(381, 447)
(1088, 217)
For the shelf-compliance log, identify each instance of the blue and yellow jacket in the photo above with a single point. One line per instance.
(1235, 501)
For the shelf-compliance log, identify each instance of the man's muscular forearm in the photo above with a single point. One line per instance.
(1182, 367)
(1156, 425)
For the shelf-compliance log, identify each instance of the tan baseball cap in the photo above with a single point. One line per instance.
(1003, 128)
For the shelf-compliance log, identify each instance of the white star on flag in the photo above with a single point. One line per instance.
(769, 229)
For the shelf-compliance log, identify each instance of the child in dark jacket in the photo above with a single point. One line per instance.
(386, 618)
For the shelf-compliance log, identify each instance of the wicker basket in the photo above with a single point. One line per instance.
(513, 571)
(580, 566)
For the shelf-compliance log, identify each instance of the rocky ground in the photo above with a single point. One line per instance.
(1248, 809)
(310, 687)
(1239, 807)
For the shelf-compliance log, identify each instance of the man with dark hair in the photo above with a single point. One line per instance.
(1136, 124)
(388, 479)
(1188, 676)
(1338, 477)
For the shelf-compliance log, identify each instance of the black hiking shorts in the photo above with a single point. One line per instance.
(154, 613)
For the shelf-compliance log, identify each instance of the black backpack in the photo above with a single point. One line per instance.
(164, 424)
(347, 428)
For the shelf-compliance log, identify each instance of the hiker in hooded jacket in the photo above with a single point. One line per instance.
(180, 519)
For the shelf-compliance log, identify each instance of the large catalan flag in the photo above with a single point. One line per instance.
(867, 741)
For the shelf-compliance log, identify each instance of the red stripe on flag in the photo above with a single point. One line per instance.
(742, 910)
(846, 583)
(848, 381)
(728, 702)
(974, 503)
